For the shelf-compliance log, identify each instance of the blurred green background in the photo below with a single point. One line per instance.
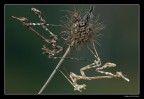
(27, 69)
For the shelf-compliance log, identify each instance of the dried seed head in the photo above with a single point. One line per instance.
(81, 29)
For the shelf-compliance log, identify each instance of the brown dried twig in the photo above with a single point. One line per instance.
(52, 42)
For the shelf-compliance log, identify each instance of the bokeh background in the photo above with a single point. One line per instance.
(27, 69)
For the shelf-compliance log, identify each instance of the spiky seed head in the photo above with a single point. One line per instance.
(81, 29)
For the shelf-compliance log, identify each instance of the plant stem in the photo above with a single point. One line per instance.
(56, 68)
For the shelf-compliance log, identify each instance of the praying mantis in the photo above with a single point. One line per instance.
(97, 65)
(81, 31)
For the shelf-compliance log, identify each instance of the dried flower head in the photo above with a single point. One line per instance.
(81, 29)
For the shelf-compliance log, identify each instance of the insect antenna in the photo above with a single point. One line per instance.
(66, 11)
(67, 74)
(94, 48)
(97, 42)
(66, 77)
(73, 58)
(92, 52)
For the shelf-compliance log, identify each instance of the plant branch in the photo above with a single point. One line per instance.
(56, 68)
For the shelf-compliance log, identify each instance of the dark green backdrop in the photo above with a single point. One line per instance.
(26, 69)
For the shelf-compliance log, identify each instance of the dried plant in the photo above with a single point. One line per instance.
(78, 30)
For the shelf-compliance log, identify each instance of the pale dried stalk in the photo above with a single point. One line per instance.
(56, 68)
